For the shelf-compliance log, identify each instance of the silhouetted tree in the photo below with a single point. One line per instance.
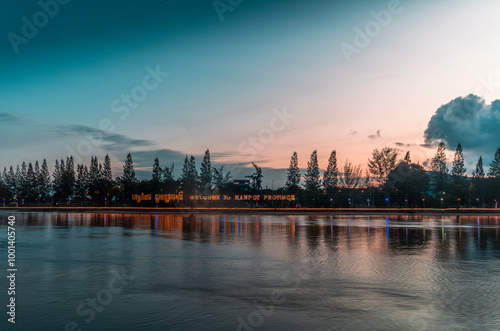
(10, 181)
(478, 181)
(43, 181)
(128, 181)
(94, 180)
(189, 175)
(382, 162)
(31, 189)
(458, 175)
(22, 182)
(82, 182)
(479, 171)
(352, 175)
(167, 176)
(409, 180)
(206, 171)
(156, 176)
(108, 183)
(68, 178)
(256, 178)
(494, 176)
(311, 178)
(439, 175)
(35, 183)
(57, 180)
(221, 179)
(331, 174)
(5, 193)
(293, 174)
(494, 171)
(407, 158)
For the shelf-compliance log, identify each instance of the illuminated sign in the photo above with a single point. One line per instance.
(205, 197)
(212, 197)
(141, 197)
(159, 197)
(169, 197)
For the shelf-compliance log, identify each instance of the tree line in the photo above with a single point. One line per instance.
(388, 181)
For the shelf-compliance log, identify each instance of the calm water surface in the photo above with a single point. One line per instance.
(231, 272)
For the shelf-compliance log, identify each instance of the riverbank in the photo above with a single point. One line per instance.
(263, 211)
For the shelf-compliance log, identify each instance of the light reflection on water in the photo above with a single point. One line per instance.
(203, 272)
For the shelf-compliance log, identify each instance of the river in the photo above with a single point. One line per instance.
(114, 271)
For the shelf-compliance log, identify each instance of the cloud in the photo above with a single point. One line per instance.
(166, 157)
(111, 142)
(8, 118)
(353, 132)
(143, 160)
(402, 144)
(375, 136)
(466, 120)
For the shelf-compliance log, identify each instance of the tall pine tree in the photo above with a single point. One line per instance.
(68, 178)
(189, 176)
(494, 171)
(167, 175)
(128, 180)
(44, 181)
(478, 182)
(331, 174)
(156, 176)
(311, 178)
(57, 180)
(31, 191)
(439, 175)
(293, 174)
(10, 181)
(206, 171)
(494, 176)
(36, 183)
(107, 177)
(221, 178)
(458, 175)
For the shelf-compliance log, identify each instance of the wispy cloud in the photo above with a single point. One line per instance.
(9, 118)
(375, 136)
(108, 141)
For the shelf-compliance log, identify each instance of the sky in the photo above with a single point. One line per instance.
(253, 81)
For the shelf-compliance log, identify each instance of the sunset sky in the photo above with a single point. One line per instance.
(224, 77)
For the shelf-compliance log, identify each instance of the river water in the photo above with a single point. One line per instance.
(112, 271)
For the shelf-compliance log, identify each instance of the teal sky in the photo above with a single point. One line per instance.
(228, 78)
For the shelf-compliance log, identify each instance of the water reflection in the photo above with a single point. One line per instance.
(203, 271)
(375, 233)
